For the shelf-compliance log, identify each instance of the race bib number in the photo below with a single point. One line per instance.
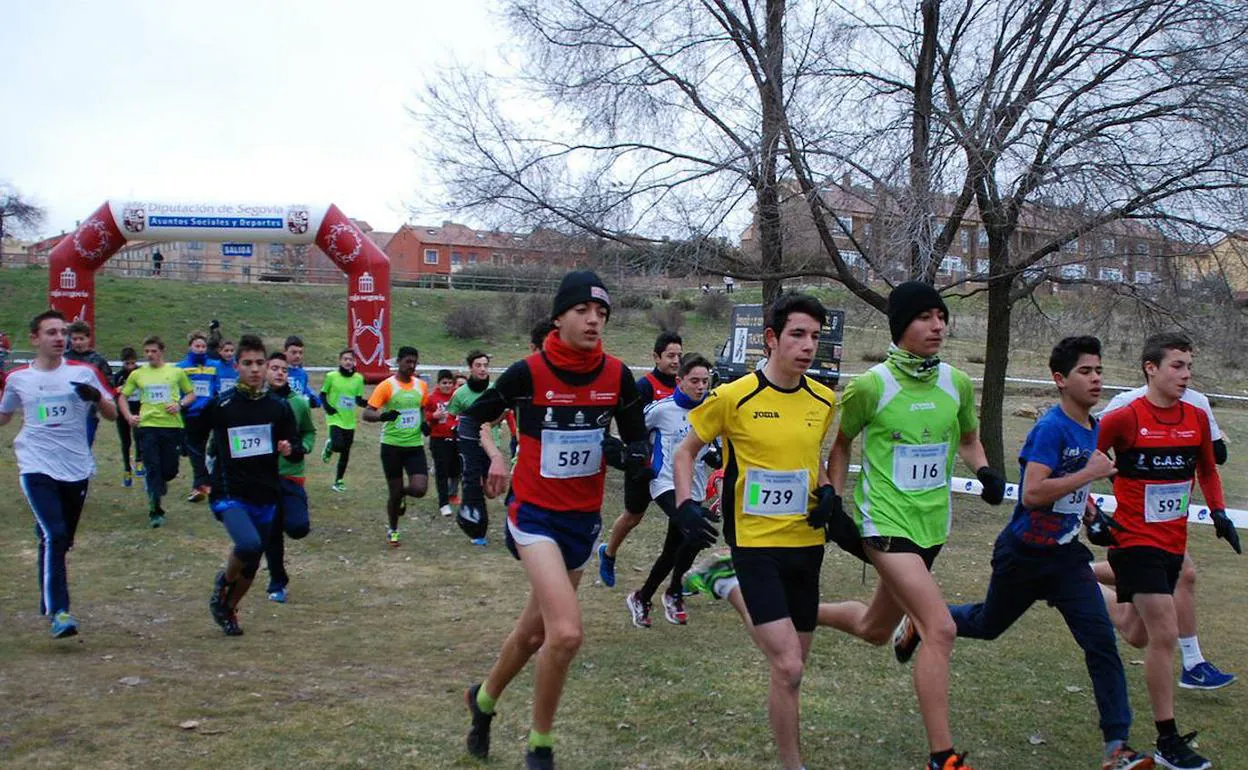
(776, 493)
(346, 402)
(1166, 502)
(571, 454)
(203, 388)
(920, 467)
(51, 410)
(228, 385)
(250, 441)
(409, 419)
(155, 394)
(1073, 503)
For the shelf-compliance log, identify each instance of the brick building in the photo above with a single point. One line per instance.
(417, 250)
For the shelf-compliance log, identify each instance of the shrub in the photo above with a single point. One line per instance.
(631, 301)
(714, 307)
(466, 322)
(685, 304)
(667, 317)
(875, 356)
(488, 277)
(975, 358)
(665, 293)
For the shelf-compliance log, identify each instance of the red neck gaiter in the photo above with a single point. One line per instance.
(569, 359)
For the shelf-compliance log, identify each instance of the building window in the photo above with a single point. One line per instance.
(950, 265)
(1139, 249)
(195, 245)
(1071, 246)
(1107, 246)
(472, 258)
(846, 223)
(431, 256)
(981, 266)
(246, 271)
(226, 265)
(457, 258)
(1074, 272)
(982, 241)
(964, 236)
(1110, 274)
(866, 230)
(1143, 277)
(276, 249)
(496, 259)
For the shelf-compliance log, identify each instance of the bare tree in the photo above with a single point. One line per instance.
(18, 213)
(1041, 121)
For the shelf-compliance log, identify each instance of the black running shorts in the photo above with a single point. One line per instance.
(1144, 570)
(397, 459)
(779, 583)
(894, 544)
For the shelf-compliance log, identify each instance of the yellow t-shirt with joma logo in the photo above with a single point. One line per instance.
(773, 447)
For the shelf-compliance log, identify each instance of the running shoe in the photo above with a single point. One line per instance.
(279, 596)
(127, 479)
(481, 541)
(231, 626)
(446, 510)
(156, 520)
(339, 486)
(328, 451)
(674, 609)
(905, 640)
(138, 469)
(1175, 752)
(218, 604)
(709, 570)
(955, 762)
(392, 536)
(606, 566)
(541, 758)
(1205, 676)
(1126, 758)
(479, 733)
(639, 610)
(64, 625)
(197, 495)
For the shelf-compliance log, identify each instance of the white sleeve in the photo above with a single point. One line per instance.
(1201, 400)
(1117, 402)
(10, 401)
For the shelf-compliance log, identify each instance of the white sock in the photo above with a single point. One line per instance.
(724, 586)
(1191, 651)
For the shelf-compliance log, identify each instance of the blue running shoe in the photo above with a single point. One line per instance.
(541, 758)
(481, 541)
(278, 596)
(1205, 676)
(606, 566)
(64, 625)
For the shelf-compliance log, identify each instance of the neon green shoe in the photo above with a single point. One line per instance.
(706, 573)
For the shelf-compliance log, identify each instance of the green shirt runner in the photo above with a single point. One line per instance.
(465, 397)
(407, 400)
(157, 386)
(914, 420)
(307, 435)
(342, 393)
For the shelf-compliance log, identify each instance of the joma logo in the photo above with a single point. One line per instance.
(766, 415)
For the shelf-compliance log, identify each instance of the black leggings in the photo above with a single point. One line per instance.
(126, 434)
(676, 557)
(340, 441)
(446, 467)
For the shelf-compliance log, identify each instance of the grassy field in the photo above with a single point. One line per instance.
(366, 665)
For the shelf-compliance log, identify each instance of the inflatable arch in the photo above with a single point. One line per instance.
(73, 262)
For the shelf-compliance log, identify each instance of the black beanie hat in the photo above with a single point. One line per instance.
(909, 299)
(580, 286)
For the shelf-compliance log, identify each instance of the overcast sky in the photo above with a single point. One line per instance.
(229, 100)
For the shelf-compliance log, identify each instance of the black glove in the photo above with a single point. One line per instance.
(828, 506)
(1219, 452)
(329, 409)
(1225, 528)
(1101, 528)
(214, 324)
(389, 416)
(426, 428)
(714, 458)
(994, 485)
(692, 521)
(87, 392)
(637, 461)
(361, 401)
(613, 452)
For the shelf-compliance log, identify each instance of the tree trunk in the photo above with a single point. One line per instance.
(996, 363)
(920, 145)
(767, 187)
